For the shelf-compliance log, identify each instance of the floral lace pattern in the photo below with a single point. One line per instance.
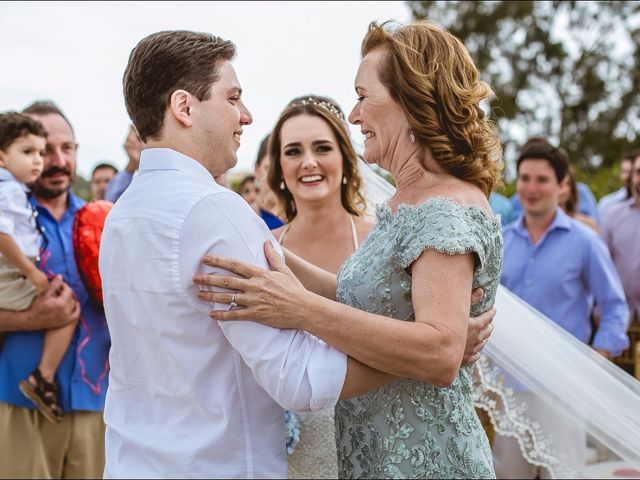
(411, 429)
(315, 455)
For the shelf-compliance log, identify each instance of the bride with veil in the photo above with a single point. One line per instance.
(567, 376)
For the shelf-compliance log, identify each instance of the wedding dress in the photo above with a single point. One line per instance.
(314, 455)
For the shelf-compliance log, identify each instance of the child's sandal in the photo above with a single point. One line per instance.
(44, 395)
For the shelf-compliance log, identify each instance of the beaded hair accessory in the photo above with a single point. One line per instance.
(330, 107)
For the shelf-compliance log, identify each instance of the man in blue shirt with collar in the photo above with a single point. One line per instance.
(559, 266)
(31, 445)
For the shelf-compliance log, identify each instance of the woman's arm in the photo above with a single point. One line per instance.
(362, 379)
(430, 349)
(314, 279)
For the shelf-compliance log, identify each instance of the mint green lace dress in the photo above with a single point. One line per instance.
(412, 429)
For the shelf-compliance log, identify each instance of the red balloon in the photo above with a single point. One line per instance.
(87, 231)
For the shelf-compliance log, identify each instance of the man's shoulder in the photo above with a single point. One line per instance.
(229, 208)
(165, 199)
(611, 197)
(580, 230)
(511, 228)
(619, 209)
(583, 238)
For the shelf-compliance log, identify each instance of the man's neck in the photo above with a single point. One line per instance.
(537, 225)
(185, 148)
(56, 206)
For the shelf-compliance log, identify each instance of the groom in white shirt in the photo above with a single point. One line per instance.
(190, 397)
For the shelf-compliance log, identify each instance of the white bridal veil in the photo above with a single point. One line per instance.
(563, 374)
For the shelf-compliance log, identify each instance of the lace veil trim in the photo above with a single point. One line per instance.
(509, 418)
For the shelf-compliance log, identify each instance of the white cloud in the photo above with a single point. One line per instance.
(75, 54)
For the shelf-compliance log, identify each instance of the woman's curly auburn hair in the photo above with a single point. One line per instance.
(350, 193)
(431, 75)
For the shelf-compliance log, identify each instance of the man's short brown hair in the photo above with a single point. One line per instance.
(14, 125)
(46, 107)
(165, 62)
(539, 147)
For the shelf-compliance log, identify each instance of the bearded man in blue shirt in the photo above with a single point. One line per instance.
(32, 446)
(559, 266)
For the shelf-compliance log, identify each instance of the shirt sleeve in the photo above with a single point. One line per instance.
(117, 185)
(604, 281)
(12, 203)
(296, 369)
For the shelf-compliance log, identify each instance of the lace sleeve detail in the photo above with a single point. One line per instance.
(442, 225)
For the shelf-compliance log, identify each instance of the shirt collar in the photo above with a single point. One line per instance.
(6, 175)
(560, 221)
(630, 202)
(168, 159)
(73, 203)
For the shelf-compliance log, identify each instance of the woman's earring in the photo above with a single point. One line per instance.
(282, 185)
(412, 137)
(344, 179)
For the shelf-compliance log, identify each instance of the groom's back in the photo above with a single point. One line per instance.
(177, 386)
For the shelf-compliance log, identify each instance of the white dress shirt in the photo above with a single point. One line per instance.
(189, 396)
(17, 218)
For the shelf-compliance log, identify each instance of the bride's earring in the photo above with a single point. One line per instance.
(412, 137)
(282, 185)
(344, 179)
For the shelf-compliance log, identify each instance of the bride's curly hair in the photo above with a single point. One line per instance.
(431, 75)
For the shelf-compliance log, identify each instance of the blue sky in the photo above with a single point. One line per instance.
(75, 54)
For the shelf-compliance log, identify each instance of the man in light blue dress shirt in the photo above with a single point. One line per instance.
(559, 266)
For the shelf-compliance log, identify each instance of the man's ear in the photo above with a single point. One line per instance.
(180, 106)
(2, 161)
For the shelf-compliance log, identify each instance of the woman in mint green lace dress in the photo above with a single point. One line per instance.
(404, 295)
(409, 428)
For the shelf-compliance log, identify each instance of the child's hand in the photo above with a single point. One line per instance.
(39, 280)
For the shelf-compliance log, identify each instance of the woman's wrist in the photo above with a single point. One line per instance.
(313, 313)
(298, 317)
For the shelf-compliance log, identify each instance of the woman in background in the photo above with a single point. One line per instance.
(569, 198)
